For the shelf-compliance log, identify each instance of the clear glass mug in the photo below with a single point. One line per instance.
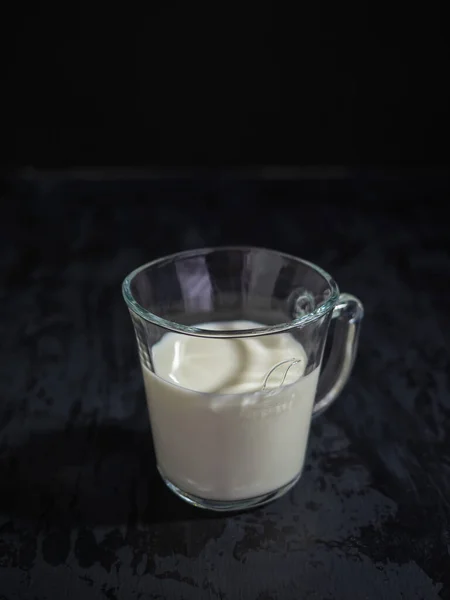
(233, 451)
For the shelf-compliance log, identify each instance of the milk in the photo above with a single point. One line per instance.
(217, 436)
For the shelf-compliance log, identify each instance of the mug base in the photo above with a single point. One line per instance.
(230, 505)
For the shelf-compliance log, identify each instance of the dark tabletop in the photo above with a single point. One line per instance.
(83, 513)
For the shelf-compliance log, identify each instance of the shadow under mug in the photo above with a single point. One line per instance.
(247, 448)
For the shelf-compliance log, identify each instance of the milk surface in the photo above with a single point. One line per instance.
(217, 435)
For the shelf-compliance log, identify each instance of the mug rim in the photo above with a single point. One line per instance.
(150, 317)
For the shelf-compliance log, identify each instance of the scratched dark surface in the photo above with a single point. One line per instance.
(83, 513)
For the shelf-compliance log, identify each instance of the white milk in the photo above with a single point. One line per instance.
(216, 435)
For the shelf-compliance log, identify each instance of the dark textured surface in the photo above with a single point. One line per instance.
(83, 512)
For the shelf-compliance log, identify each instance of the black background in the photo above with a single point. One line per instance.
(182, 84)
(130, 135)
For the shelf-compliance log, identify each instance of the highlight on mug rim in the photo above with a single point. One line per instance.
(155, 319)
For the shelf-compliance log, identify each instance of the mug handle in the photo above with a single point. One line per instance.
(349, 313)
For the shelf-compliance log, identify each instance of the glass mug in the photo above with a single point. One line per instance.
(232, 450)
